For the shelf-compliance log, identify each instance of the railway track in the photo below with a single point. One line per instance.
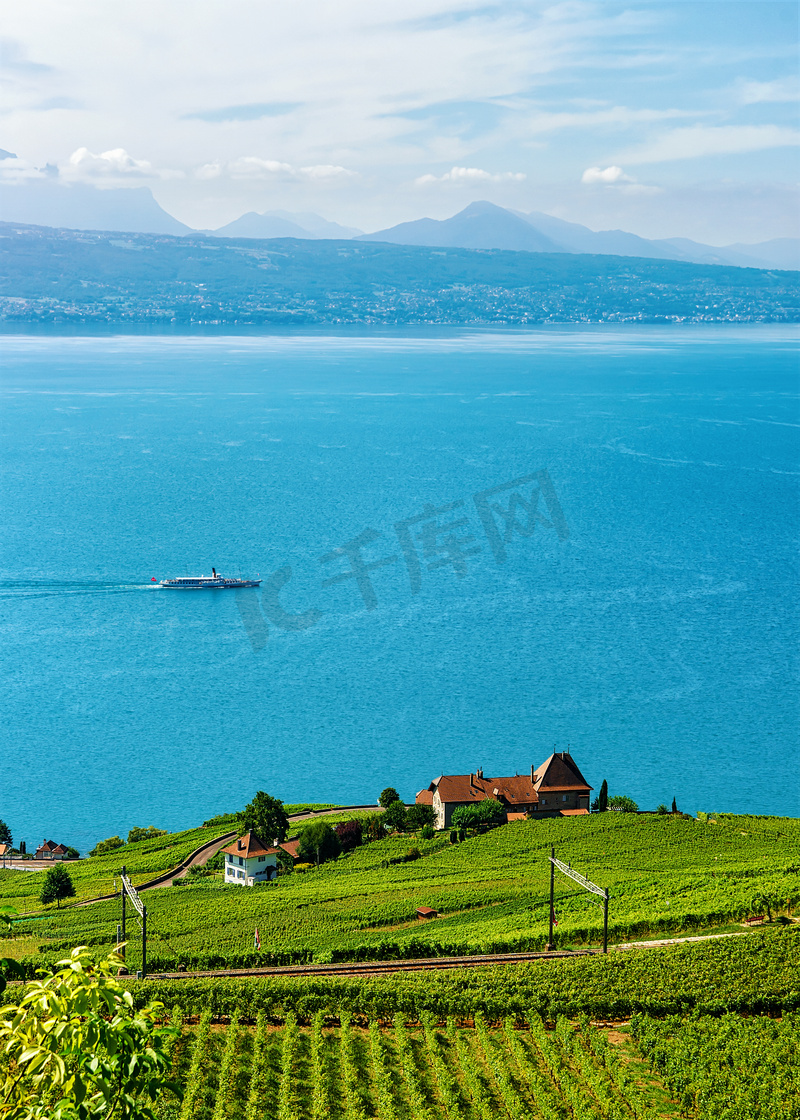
(371, 968)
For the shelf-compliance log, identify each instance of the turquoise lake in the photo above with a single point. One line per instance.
(636, 603)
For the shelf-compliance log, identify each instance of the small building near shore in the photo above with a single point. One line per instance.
(48, 849)
(248, 860)
(555, 789)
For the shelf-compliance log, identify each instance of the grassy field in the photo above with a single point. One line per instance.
(666, 876)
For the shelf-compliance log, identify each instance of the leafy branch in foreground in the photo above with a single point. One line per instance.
(74, 1048)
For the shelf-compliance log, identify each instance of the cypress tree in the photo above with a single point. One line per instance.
(674, 806)
(602, 797)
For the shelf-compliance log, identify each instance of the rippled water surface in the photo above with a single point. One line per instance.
(653, 630)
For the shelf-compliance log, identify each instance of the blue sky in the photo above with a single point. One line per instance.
(676, 119)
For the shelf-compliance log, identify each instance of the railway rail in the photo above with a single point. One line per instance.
(372, 968)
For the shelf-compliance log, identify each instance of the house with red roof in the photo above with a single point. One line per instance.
(48, 849)
(248, 860)
(555, 789)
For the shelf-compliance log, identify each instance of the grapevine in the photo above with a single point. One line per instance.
(259, 1075)
(541, 1088)
(227, 1070)
(352, 1099)
(321, 1098)
(419, 1107)
(381, 1074)
(194, 1081)
(286, 1102)
(483, 1106)
(448, 1089)
(516, 1106)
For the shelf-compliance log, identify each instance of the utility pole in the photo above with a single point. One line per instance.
(549, 947)
(605, 922)
(122, 892)
(144, 942)
(587, 885)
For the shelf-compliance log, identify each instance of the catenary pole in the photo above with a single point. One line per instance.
(552, 895)
(605, 922)
(122, 892)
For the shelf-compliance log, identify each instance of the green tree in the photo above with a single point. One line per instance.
(395, 817)
(7, 916)
(73, 853)
(75, 1048)
(600, 803)
(266, 817)
(662, 810)
(674, 806)
(57, 885)
(622, 804)
(388, 796)
(484, 813)
(419, 816)
(318, 843)
(109, 845)
(5, 834)
(372, 827)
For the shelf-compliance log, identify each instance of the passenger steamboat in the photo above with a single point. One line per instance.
(196, 583)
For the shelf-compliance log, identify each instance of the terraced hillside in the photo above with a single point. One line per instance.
(666, 875)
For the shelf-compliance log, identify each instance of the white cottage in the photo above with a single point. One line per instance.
(248, 861)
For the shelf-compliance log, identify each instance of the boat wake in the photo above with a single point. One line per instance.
(44, 588)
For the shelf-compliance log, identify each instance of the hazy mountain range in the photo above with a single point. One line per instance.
(481, 225)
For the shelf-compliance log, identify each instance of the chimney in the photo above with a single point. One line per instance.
(533, 773)
(240, 843)
(479, 774)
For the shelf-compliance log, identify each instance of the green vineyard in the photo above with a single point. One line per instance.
(666, 876)
(343, 1068)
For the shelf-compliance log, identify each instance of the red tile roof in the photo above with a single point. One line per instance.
(560, 772)
(518, 790)
(424, 797)
(248, 846)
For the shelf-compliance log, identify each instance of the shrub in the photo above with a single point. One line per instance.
(301, 867)
(621, 804)
(349, 833)
(426, 832)
(75, 1046)
(662, 810)
(109, 845)
(151, 833)
(453, 836)
(489, 812)
(412, 854)
(388, 797)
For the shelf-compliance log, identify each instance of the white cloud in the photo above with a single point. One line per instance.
(111, 167)
(469, 175)
(781, 89)
(253, 167)
(704, 140)
(605, 175)
(15, 170)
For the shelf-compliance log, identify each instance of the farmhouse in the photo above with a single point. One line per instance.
(249, 860)
(48, 849)
(556, 788)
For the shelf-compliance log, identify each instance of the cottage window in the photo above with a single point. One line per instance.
(230, 859)
(262, 859)
(564, 797)
(241, 862)
(544, 801)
